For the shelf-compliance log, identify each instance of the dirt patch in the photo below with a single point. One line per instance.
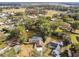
(25, 50)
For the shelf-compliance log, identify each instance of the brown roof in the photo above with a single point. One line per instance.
(13, 42)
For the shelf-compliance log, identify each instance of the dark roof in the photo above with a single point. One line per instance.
(52, 44)
(36, 38)
(67, 42)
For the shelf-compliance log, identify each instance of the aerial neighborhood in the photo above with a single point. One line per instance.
(39, 29)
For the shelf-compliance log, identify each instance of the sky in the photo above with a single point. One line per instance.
(39, 0)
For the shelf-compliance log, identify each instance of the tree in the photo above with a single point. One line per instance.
(44, 26)
(76, 16)
(19, 14)
(29, 23)
(69, 20)
(49, 18)
(22, 35)
(42, 11)
(57, 23)
(13, 33)
(0, 9)
(75, 25)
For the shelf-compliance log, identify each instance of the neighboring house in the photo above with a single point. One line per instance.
(55, 46)
(56, 51)
(12, 13)
(66, 36)
(10, 27)
(40, 14)
(53, 19)
(12, 42)
(1, 23)
(75, 31)
(52, 45)
(4, 15)
(32, 16)
(66, 26)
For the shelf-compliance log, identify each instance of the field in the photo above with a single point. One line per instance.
(50, 13)
(14, 10)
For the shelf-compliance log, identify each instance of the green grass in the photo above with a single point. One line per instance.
(10, 53)
(3, 45)
(58, 30)
(73, 38)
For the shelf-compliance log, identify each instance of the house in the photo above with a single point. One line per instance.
(52, 45)
(66, 26)
(37, 42)
(40, 14)
(76, 31)
(35, 39)
(12, 13)
(4, 15)
(1, 23)
(32, 16)
(55, 46)
(66, 36)
(56, 51)
(53, 19)
(10, 27)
